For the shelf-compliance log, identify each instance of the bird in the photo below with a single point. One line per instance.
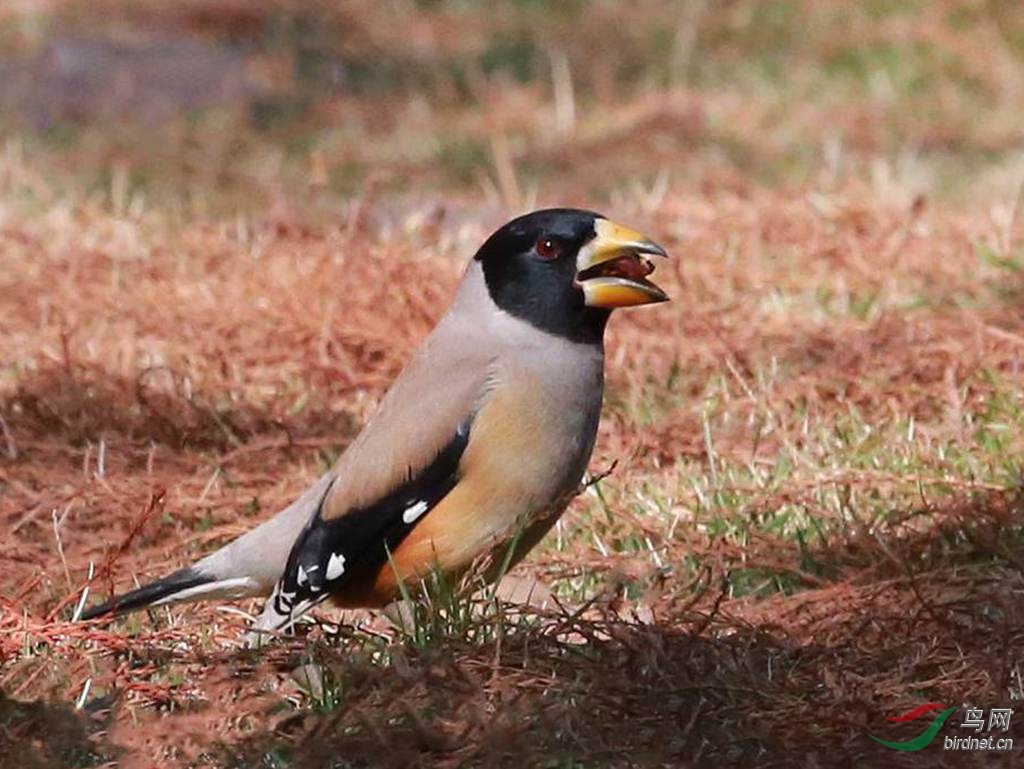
(473, 452)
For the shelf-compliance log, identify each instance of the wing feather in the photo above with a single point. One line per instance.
(330, 552)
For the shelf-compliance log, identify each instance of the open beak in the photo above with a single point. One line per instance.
(612, 269)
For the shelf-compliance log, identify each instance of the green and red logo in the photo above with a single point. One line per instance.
(924, 738)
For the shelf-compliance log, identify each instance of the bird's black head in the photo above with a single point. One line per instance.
(563, 270)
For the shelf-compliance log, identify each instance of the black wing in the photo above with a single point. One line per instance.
(327, 553)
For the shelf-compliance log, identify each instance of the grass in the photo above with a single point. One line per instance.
(814, 519)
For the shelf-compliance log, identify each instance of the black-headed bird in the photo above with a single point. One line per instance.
(475, 450)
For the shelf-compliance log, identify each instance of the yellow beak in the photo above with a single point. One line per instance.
(612, 271)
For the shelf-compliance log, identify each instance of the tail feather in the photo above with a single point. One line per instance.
(186, 584)
(248, 566)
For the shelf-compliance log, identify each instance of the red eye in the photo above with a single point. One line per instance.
(547, 248)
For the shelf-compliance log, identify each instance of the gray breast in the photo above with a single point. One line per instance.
(569, 376)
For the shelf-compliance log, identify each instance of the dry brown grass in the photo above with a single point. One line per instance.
(217, 375)
(815, 520)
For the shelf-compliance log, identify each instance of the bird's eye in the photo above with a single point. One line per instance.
(547, 248)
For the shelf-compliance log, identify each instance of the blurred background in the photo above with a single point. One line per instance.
(221, 105)
(225, 225)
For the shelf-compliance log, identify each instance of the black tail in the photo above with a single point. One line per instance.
(183, 579)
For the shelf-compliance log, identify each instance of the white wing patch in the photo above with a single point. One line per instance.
(414, 511)
(335, 566)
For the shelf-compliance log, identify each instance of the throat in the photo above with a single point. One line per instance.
(582, 324)
(563, 314)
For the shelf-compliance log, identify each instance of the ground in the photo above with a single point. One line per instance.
(224, 227)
